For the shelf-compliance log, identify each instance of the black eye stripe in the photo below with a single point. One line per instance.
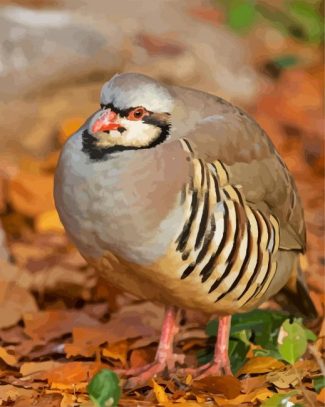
(122, 112)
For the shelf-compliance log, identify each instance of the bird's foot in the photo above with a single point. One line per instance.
(140, 376)
(220, 367)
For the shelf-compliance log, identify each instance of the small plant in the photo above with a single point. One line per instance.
(104, 389)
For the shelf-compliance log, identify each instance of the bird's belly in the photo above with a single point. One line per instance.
(161, 282)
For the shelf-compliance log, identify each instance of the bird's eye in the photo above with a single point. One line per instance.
(137, 114)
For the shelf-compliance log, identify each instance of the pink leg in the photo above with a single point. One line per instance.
(220, 364)
(165, 358)
(221, 358)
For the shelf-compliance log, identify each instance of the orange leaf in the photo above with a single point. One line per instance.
(86, 340)
(8, 358)
(47, 325)
(71, 373)
(260, 394)
(31, 194)
(160, 394)
(321, 396)
(117, 351)
(15, 301)
(30, 368)
(261, 364)
(227, 385)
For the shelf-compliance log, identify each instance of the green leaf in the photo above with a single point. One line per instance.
(264, 325)
(212, 327)
(241, 15)
(237, 354)
(319, 383)
(104, 389)
(292, 341)
(279, 400)
(273, 353)
(310, 335)
(286, 61)
(310, 19)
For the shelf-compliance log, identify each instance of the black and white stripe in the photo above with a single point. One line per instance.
(224, 242)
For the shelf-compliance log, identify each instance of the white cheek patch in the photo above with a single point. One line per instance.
(137, 133)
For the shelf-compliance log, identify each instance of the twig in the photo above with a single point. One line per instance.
(312, 349)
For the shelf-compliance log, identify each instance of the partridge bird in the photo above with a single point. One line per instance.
(177, 196)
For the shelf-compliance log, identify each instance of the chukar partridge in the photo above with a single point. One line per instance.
(177, 196)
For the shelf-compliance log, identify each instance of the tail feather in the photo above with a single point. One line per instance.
(295, 297)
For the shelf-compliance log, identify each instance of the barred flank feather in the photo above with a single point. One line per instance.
(229, 244)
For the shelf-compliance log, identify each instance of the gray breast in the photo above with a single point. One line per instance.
(122, 204)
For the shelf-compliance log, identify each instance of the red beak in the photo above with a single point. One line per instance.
(107, 121)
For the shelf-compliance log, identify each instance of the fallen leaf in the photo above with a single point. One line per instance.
(227, 385)
(7, 357)
(160, 394)
(71, 373)
(86, 340)
(47, 325)
(11, 393)
(141, 357)
(260, 394)
(117, 351)
(261, 364)
(30, 368)
(321, 396)
(31, 194)
(252, 383)
(15, 302)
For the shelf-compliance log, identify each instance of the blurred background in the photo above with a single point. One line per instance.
(265, 56)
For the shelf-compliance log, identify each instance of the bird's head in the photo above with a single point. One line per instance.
(135, 114)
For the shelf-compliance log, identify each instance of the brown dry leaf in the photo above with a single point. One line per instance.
(290, 376)
(261, 364)
(117, 351)
(295, 101)
(252, 383)
(9, 392)
(229, 386)
(48, 221)
(283, 379)
(76, 388)
(31, 194)
(71, 373)
(43, 400)
(86, 340)
(70, 400)
(160, 394)
(15, 301)
(47, 325)
(30, 368)
(7, 357)
(260, 394)
(26, 252)
(141, 357)
(13, 335)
